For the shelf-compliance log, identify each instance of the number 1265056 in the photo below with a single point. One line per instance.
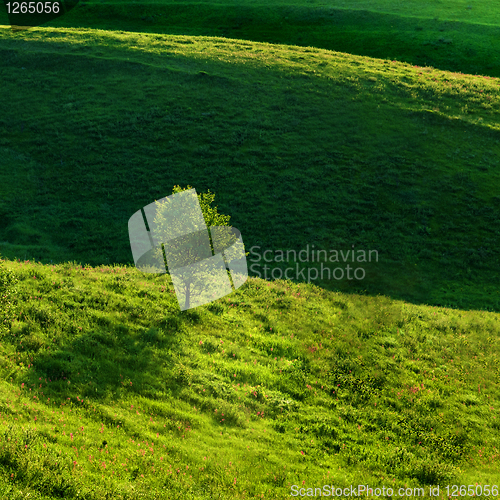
(33, 7)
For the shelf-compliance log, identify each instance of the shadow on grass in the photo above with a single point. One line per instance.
(296, 161)
(448, 45)
(90, 365)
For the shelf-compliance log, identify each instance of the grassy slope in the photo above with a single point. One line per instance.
(447, 35)
(381, 425)
(271, 386)
(302, 146)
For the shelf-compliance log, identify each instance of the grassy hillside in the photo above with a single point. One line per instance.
(303, 147)
(318, 127)
(107, 383)
(453, 35)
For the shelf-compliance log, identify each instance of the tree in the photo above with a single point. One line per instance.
(194, 261)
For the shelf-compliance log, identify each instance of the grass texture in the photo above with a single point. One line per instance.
(369, 125)
(107, 384)
(302, 146)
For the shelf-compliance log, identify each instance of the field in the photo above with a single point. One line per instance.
(369, 125)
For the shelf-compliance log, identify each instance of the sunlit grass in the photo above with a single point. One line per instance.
(109, 391)
(110, 385)
(453, 35)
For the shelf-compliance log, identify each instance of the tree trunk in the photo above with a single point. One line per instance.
(188, 294)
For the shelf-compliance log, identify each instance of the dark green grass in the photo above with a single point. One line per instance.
(451, 35)
(111, 392)
(302, 147)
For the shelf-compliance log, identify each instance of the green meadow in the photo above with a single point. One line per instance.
(109, 391)
(335, 126)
